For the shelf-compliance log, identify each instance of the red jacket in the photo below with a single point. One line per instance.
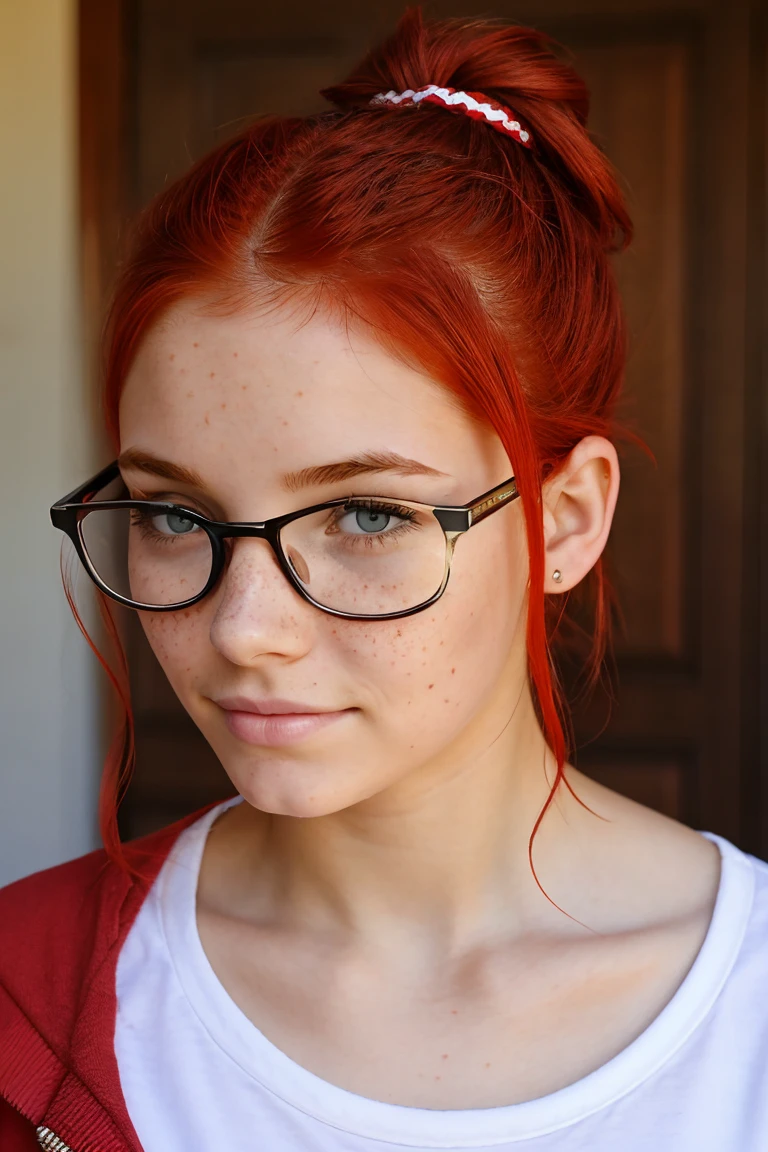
(61, 932)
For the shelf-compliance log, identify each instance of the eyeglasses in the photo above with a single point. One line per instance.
(361, 557)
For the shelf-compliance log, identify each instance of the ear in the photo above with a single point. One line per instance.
(578, 503)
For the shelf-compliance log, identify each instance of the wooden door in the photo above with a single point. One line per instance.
(675, 89)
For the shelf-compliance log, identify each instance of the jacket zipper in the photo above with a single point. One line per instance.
(50, 1141)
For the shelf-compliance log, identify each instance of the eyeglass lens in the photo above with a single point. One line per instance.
(365, 557)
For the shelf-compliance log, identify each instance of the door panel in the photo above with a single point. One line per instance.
(639, 113)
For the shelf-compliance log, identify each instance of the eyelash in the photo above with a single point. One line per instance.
(355, 503)
(407, 515)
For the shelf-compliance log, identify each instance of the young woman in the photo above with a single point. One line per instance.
(361, 377)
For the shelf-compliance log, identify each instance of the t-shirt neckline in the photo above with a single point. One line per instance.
(259, 1058)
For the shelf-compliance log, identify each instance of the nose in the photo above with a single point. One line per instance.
(257, 610)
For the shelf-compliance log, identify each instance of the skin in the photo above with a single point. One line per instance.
(376, 881)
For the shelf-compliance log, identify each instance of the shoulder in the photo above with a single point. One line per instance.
(57, 928)
(63, 901)
(51, 892)
(653, 871)
(59, 925)
(85, 885)
(61, 933)
(760, 869)
(754, 873)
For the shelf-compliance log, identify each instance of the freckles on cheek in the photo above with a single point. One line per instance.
(413, 663)
(172, 637)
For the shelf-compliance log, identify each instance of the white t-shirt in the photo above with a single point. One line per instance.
(198, 1076)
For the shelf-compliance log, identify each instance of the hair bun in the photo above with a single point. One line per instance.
(514, 66)
(473, 55)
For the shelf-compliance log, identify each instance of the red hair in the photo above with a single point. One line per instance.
(479, 260)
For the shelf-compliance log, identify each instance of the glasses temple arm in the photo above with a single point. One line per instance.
(492, 499)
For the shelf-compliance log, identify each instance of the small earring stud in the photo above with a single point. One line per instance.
(557, 575)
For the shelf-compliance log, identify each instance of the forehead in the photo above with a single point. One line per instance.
(244, 397)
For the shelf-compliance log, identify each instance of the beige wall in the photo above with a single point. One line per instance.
(49, 716)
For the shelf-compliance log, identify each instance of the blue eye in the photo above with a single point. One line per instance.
(369, 519)
(370, 522)
(178, 525)
(163, 525)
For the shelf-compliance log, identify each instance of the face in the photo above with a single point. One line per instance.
(245, 399)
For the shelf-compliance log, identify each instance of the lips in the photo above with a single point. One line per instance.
(282, 725)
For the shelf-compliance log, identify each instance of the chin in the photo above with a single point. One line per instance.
(295, 790)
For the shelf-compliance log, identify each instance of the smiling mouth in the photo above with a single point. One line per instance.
(279, 729)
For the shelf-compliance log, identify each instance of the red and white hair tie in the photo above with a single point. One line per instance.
(473, 104)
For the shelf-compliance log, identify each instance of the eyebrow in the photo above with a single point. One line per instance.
(368, 463)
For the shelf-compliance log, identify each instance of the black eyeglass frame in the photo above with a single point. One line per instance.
(68, 513)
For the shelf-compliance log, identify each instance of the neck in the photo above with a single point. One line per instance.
(441, 857)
